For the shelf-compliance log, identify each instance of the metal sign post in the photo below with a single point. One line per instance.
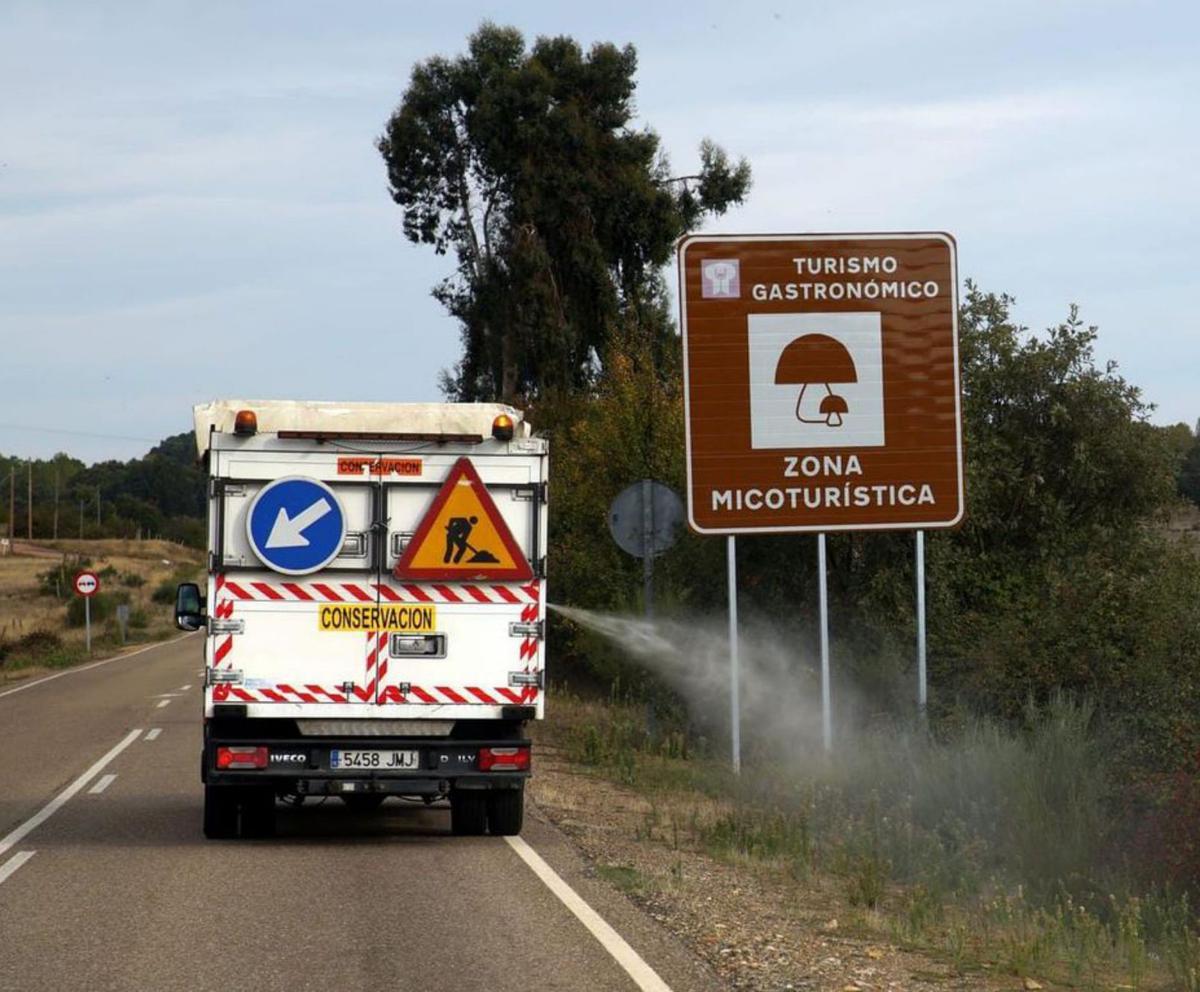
(648, 557)
(123, 620)
(823, 609)
(87, 584)
(921, 683)
(735, 708)
(645, 520)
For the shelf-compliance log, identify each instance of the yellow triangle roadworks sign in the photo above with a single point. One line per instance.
(463, 537)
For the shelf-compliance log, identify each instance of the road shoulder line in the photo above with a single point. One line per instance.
(13, 863)
(645, 977)
(55, 804)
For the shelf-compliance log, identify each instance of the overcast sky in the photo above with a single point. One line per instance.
(191, 206)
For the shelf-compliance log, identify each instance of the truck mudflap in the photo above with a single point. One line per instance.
(383, 765)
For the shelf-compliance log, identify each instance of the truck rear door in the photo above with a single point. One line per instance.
(486, 649)
(298, 639)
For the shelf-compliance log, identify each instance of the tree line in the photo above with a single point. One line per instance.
(158, 495)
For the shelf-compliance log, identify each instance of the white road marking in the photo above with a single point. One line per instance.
(645, 977)
(166, 695)
(13, 863)
(94, 664)
(152, 734)
(102, 783)
(185, 688)
(162, 703)
(55, 804)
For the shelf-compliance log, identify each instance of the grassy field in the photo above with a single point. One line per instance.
(41, 620)
(979, 857)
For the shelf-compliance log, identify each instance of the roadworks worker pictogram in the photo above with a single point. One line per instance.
(463, 536)
(458, 531)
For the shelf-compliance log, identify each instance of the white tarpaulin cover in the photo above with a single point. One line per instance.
(382, 418)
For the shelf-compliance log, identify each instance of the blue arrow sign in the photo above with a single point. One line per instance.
(296, 525)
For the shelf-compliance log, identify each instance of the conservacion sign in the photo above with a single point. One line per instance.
(356, 618)
(821, 382)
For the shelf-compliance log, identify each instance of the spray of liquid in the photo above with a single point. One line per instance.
(1031, 798)
(779, 690)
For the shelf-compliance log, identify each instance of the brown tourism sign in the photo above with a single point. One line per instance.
(821, 382)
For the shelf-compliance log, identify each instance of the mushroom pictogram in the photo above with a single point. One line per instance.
(817, 360)
(833, 406)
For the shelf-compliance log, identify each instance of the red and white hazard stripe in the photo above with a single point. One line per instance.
(222, 610)
(366, 592)
(228, 592)
(432, 695)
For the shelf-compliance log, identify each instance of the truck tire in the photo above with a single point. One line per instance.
(468, 813)
(220, 813)
(258, 812)
(506, 811)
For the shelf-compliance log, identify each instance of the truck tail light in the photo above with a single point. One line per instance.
(504, 759)
(242, 757)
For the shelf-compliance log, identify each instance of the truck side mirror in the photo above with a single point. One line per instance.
(189, 606)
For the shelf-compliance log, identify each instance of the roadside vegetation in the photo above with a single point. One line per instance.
(42, 620)
(993, 852)
(1045, 818)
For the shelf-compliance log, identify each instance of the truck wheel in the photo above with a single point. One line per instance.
(468, 813)
(363, 804)
(220, 813)
(506, 811)
(258, 812)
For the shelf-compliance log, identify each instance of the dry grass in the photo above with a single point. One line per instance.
(119, 548)
(30, 605)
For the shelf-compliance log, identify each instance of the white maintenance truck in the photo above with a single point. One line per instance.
(374, 611)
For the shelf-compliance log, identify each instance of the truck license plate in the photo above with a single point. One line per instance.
(383, 761)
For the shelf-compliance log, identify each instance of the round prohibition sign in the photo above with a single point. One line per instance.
(86, 584)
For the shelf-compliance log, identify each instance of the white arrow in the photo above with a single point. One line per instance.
(287, 532)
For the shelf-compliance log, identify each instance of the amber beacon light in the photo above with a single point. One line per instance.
(245, 424)
(502, 428)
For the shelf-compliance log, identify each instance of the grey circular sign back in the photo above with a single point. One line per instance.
(646, 518)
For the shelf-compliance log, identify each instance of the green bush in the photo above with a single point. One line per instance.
(132, 580)
(39, 642)
(104, 606)
(38, 646)
(164, 592)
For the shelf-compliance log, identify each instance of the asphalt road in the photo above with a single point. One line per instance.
(115, 888)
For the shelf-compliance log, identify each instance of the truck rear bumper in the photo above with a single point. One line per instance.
(307, 766)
